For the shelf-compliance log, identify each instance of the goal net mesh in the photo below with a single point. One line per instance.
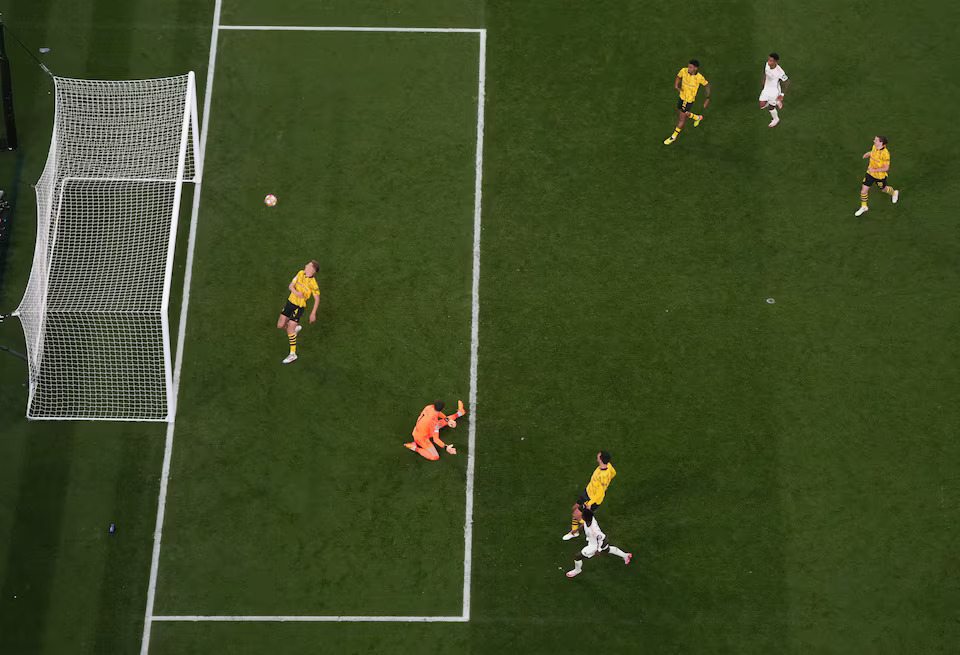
(94, 313)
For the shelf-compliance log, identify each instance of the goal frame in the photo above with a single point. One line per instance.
(189, 143)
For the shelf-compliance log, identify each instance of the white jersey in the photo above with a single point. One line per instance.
(595, 538)
(773, 77)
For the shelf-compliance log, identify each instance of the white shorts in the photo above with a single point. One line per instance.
(770, 97)
(589, 551)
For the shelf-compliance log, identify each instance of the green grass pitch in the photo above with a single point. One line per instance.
(788, 471)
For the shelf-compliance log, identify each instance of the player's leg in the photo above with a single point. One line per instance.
(681, 118)
(293, 326)
(772, 108)
(864, 190)
(891, 191)
(587, 552)
(429, 451)
(769, 102)
(575, 521)
(292, 329)
(613, 550)
(577, 567)
(774, 117)
(282, 322)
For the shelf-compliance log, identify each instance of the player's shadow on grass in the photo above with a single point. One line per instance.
(37, 522)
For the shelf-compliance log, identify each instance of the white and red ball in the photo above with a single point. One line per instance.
(270, 200)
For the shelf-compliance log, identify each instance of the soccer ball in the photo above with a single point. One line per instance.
(270, 200)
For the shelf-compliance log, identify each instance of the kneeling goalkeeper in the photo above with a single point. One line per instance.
(428, 427)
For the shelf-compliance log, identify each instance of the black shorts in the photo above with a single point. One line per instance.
(293, 312)
(583, 499)
(684, 106)
(869, 180)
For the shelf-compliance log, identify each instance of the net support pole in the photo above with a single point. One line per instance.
(6, 91)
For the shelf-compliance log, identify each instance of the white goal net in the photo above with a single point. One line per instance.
(94, 314)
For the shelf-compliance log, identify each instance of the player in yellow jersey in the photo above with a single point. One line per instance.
(879, 157)
(687, 83)
(594, 494)
(303, 285)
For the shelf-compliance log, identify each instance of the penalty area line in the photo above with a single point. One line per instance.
(313, 619)
(474, 329)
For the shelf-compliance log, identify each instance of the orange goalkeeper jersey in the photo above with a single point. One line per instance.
(429, 424)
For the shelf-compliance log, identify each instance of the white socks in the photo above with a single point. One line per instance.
(619, 553)
(578, 565)
(773, 114)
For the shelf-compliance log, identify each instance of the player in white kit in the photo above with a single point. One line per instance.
(772, 95)
(596, 543)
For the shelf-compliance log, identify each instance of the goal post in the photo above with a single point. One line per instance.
(95, 311)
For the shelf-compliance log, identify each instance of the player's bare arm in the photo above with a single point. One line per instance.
(783, 91)
(316, 303)
(706, 100)
(676, 83)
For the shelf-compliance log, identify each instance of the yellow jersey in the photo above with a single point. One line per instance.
(690, 84)
(599, 481)
(305, 285)
(879, 159)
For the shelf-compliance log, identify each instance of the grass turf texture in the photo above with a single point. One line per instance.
(787, 477)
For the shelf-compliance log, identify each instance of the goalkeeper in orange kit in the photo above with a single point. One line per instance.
(428, 427)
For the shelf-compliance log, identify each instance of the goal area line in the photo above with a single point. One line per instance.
(334, 28)
(313, 619)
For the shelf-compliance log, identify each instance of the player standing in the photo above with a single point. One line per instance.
(596, 543)
(303, 285)
(687, 83)
(428, 426)
(593, 495)
(879, 157)
(771, 97)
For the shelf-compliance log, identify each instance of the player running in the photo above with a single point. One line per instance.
(876, 173)
(596, 543)
(771, 97)
(428, 427)
(303, 285)
(688, 82)
(593, 495)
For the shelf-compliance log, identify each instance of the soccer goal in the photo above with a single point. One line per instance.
(95, 311)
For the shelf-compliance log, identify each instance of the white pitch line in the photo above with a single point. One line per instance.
(314, 619)
(474, 331)
(325, 28)
(181, 333)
